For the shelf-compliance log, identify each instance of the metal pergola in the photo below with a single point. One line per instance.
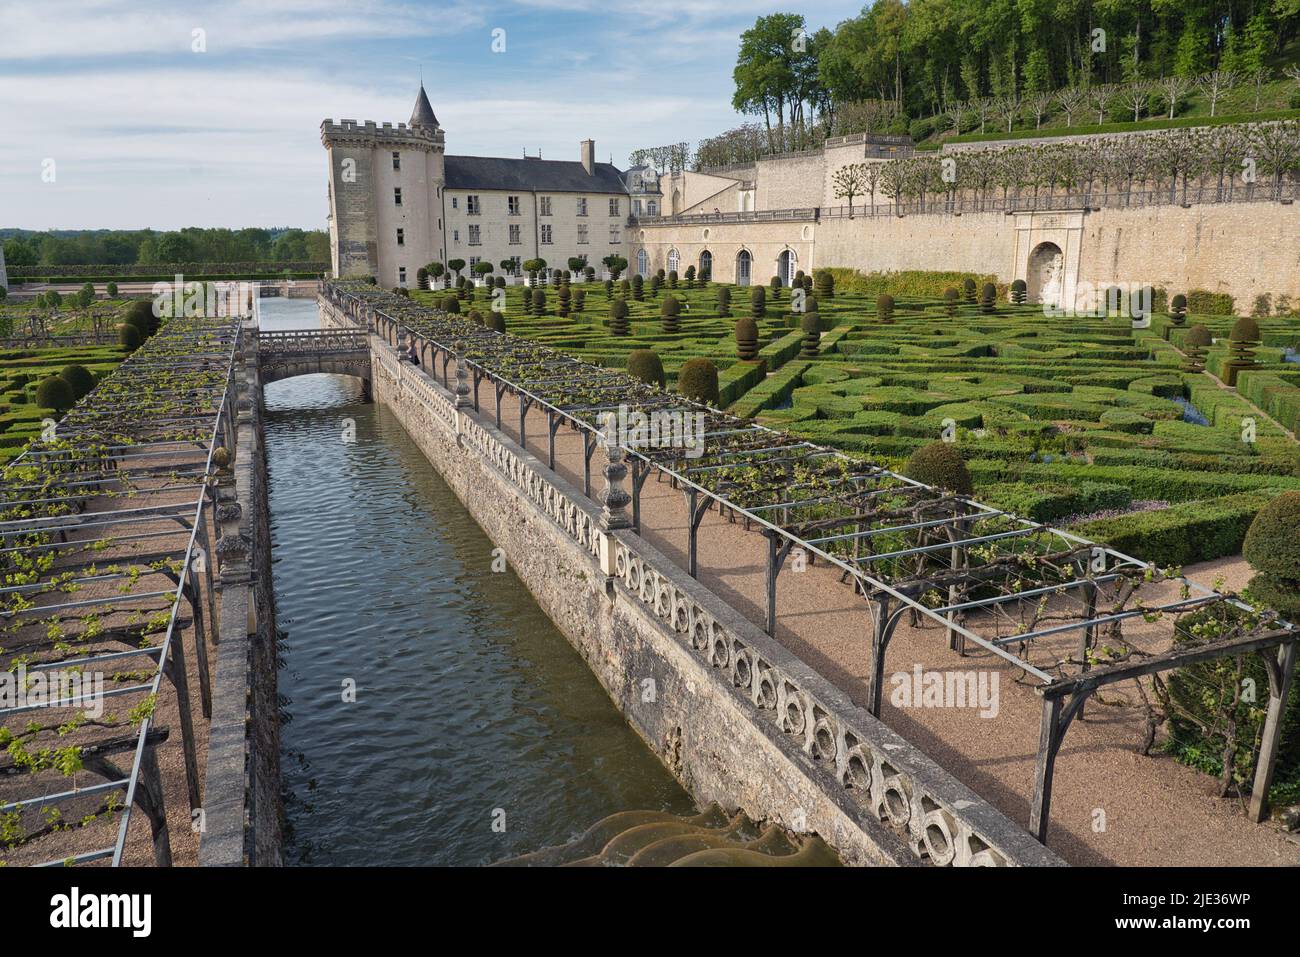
(106, 542)
(1037, 597)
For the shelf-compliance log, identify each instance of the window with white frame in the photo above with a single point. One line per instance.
(472, 207)
(613, 207)
(475, 236)
(582, 205)
(516, 234)
(582, 234)
(512, 205)
(544, 205)
(651, 207)
(613, 236)
(546, 234)
(673, 260)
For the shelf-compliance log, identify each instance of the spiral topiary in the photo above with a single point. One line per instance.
(638, 287)
(968, 289)
(1178, 309)
(1241, 348)
(1195, 343)
(940, 464)
(565, 299)
(950, 302)
(618, 324)
(579, 299)
(644, 364)
(1018, 292)
(989, 299)
(724, 301)
(885, 308)
(1272, 547)
(746, 338)
(672, 279)
(825, 284)
(539, 302)
(670, 310)
(812, 335)
(757, 302)
(698, 380)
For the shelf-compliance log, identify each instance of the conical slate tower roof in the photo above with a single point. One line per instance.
(422, 115)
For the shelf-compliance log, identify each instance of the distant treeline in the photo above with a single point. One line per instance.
(147, 247)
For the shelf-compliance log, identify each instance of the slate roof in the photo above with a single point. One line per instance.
(422, 115)
(554, 176)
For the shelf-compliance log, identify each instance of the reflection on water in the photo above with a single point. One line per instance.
(470, 708)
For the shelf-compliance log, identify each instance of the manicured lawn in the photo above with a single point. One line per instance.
(22, 371)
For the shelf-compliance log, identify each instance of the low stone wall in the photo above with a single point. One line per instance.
(241, 788)
(734, 715)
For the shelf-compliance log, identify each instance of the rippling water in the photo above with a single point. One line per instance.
(469, 704)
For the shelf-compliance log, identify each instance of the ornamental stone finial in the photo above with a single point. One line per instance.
(462, 378)
(614, 514)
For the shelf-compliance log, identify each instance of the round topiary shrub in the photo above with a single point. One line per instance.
(80, 378)
(885, 308)
(1272, 547)
(111, 290)
(812, 335)
(698, 381)
(724, 301)
(758, 302)
(618, 317)
(950, 302)
(746, 338)
(1178, 310)
(129, 337)
(940, 464)
(670, 310)
(644, 364)
(452, 305)
(1018, 292)
(55, 393)
(141, 315)
(989, 299)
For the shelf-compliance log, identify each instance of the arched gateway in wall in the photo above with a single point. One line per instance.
(744, 267)
(786, 265)
(1044, 274)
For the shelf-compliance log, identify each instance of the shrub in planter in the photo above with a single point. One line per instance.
(811, 326)
(724, 300)
(670, 310)
(746, 338)
(1272, 547)
(968, 289)
(950, 302)
(79, 377)
(825, 284)
(55, 393)
(989, 299)
(539, 302)
(940, 464)
(885, 308)
(1242, 342)
(1018, 292)
(698, 380)
(758, 302)
(1195, 343)
(618, 317)
(644, 364)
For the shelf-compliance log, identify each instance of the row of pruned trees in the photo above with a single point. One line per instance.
(1094, 169)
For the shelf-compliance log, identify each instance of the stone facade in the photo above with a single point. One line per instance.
(736, 717)
(4, 277)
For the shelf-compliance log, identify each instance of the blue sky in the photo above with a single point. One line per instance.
(143, 130)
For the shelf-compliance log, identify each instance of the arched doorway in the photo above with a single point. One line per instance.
(1044, 274)
(743, 263)
(786, 265)
(642, 262)
(674, 260)
(706, 265)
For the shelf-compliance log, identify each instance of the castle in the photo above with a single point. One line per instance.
(398, 202)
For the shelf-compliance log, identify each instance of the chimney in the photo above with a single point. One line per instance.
(587, 148)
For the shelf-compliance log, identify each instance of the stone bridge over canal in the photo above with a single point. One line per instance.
(284, 354)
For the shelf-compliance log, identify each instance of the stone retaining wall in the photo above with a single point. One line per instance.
(735, 716)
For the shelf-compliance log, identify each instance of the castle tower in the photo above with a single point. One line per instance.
(385, 195)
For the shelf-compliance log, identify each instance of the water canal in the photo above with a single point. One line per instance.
(471, 710)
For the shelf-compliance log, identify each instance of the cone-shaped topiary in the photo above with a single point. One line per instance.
(940, 464)
(950, 302)
(656, 283)
(644, 364)
(746, 338)
(618, 318)
(698, 380)
(1018, 292)
(758, 302)
(989, 299)
(968, 289)
(55, 393)
(825, 284)
(1272, 547)
(724, 300)
(1241, 348)
(1194, 345)
(670, 310)
(812, 335)
(885, 308)
(79, 377)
